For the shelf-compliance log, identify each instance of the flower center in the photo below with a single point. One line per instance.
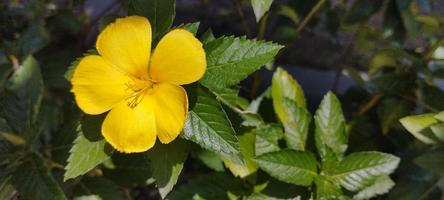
(138, 88)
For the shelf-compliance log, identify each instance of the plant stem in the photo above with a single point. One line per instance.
(310, 15)
(242, 18)
(419, 103)
(370, 104)
(262, 27)
(256, 76)
(15, 62)
(338, 74)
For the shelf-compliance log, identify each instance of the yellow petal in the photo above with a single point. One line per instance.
(179, 58)
(131, 130)
(126, 43)
(97, 85)
(170, 110)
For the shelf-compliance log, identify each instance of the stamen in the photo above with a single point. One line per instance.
(139, 89)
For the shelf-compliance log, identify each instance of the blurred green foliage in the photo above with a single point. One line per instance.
(252, 146)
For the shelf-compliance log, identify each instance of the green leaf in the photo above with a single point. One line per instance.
(330, 136)
(289, 12)
(438, 130)
(88, 197)
(290, 106)
(208, 36)
(259, 196)
(167, 163)
(13, 138)
(33, 180)
(160, 13)
(228, 96)
(21, 100)
(433, 96)
(381, 59)
(326, 189)
(89, 149)
(5, 71)
(440, 116)
(395, 83)
(285, 86)
(260, 7)
(208, 125)
(6, 189)
(279, 189)
(432, 160)
(62, 140)
(417, 126)
(210, 186)
(267, 136)
(413, 186)
(99, 186)
(247, 167)
(256, 103)
(297, 124)
(210, 159)
(356, 76)
(409, 21)
(68, 74)
(231, 59)
(362, 10)
(7, 151)
(129, 170)
(33, 38)
(390, 110)
(289, 166)
(356, 169)
(378, 186)
(191, 27)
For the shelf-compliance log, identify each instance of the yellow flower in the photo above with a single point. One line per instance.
(141, 91)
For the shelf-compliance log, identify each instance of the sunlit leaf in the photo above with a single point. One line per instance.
(247, 167)
(357, 169)
(326, 189)
(260, 7)
(89, 150)
(380, 185)
(232, 59)
(289, 166)
(330, 136)
(208, 126)
(267, 136)
(417, 125)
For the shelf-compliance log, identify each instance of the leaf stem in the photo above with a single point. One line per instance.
(310, 15)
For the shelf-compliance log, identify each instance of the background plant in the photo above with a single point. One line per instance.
(240, 133)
